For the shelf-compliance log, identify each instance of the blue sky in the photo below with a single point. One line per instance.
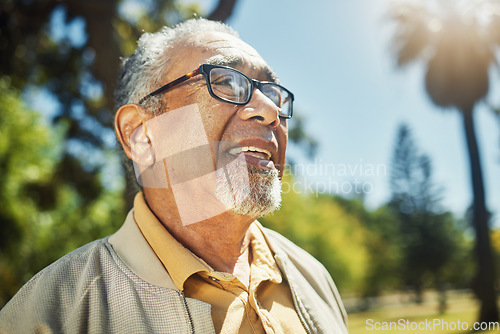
(335, 57)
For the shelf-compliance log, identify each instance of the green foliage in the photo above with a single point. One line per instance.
(327, 231)
(41, 218)
(430, 242)
(384, 252)
(495, 243)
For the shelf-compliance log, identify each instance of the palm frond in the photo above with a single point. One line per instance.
(413, 35)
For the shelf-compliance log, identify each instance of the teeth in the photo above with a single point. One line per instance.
(237, 150)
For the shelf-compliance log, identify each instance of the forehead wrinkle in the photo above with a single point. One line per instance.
(217, 41)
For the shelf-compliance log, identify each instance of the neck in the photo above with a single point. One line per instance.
(221, 241)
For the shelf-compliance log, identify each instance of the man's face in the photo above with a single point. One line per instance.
(254, 124)
(253, 131)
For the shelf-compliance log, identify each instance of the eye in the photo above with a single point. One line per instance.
(273, 93)
(230, 85)
(225, 86)
(224, 80)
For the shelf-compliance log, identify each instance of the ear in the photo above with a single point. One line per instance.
(131, 133)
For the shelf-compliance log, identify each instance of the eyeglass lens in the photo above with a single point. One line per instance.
(232, 86)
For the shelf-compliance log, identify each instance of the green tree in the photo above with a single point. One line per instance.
(383, 249)
(41, 217)
(26, 158)
(326, 229)
(457, 47)
(428, 237)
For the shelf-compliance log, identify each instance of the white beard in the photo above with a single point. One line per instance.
(259, 196)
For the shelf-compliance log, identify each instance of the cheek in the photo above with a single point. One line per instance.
(216, 116)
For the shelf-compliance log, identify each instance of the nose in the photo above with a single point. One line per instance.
(261, 109)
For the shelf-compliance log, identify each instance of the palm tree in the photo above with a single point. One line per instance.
(456, 41)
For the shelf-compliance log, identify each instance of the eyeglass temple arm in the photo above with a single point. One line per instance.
(171, 84)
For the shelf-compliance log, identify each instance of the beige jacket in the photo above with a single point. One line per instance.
(118, 285)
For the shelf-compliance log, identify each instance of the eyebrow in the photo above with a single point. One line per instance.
(233, 61)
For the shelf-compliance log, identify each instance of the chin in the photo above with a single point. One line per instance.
(257, 195)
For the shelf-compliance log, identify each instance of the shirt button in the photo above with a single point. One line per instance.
(213, 278)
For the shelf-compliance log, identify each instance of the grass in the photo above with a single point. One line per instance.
(462, 310)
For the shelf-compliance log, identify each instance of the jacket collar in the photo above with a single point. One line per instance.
(134, 250)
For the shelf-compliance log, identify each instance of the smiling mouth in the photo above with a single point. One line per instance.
(252, 151)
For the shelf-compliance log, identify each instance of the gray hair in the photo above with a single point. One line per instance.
(143, 71)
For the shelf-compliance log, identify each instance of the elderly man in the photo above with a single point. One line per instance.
(204, 121)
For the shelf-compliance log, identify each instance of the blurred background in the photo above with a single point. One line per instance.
(393, 178)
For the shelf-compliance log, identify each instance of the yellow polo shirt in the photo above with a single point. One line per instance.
(266, 306)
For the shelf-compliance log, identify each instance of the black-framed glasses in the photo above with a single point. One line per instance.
(230, 85)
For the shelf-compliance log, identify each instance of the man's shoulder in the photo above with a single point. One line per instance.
(282, 245)
(76, 265)
(305, 271)
(92, 290)
(57, 287)
(70, 274)
(307, 265)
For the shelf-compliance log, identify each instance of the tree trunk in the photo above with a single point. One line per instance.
(223, 10)
(485, 272)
